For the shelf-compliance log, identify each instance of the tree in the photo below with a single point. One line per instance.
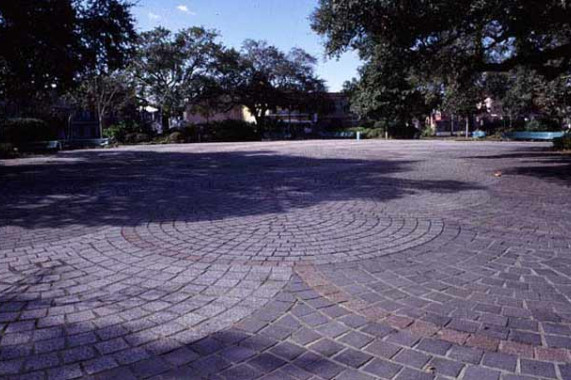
(47, 45)
(453, 36)
(386, 94)
(222, 88)
(462, 98)
(418, 45)
(175, 70)
(105, 92)
(553, 98)
(272, 79)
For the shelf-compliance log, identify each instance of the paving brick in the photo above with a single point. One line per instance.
(537, 368)
(466, 354)
(382, 368)
(440, 366)
(326, 347)
(352, 358)
(500, 361)
(356, 339)
(411, 374)
(479, 373)
(434, 346)
(266, 362)
(384, 349)
(412, 358)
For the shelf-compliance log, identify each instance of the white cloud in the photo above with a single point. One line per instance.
(184, 8)
(154, 16)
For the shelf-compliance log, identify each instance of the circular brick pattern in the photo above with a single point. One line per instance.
(415, 261)
(336, 232)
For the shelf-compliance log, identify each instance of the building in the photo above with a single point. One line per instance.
(338, 113)
(335, 114)
(489, 111)
(235, 113)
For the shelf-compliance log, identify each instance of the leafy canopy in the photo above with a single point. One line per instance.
(451, 36)
(175, 69)
(416, 52)
(47, 45)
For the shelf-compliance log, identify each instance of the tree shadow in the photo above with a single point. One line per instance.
(93, 189)
(39, 338)
(539, 162)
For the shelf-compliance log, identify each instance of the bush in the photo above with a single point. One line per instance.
(136, 138)
(176, 138)
(428, 131)
(233, 130)
(115, 132)
(8, 151)
(562, 143)
(119, 132)
(542, 125)
(26, 130)
(183, 134)
(369, 133)
(403, 132)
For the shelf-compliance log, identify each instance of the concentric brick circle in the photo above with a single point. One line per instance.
(336, 232)
(307, 260)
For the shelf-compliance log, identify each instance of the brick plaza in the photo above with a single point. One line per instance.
(287, 260)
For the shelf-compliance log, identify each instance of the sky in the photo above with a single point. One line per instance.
(283, 23)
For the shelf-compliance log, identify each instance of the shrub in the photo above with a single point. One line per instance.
(26, 130)
(369, 133)
(403, 132)
(542, 125)
(136, 138)
(115, 132)
(120, 131)
(233, 130)
(562, 143)
(176, 138)
(8, 150)
(428, 131)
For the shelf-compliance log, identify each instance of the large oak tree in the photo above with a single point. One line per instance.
(445, 42)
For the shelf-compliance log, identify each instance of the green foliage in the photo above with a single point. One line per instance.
(136, 138)
(542, 125)
(399, 131)
(233, 130)
(369, 133)
(427, 131)
(173, 70)
(176, 138)
(119, 132)
(272, 79)
(416, 53)
(562, 143)
(8, 150)
(104, 93)
(451, 37)
(45, 45)
(26, 130)
(393, 129)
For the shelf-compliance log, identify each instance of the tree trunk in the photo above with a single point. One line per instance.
(100, 117)
(165, 117)
(467, 126)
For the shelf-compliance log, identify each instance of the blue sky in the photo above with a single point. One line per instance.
(284, 23)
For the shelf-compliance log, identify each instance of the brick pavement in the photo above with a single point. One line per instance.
(301, 260)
